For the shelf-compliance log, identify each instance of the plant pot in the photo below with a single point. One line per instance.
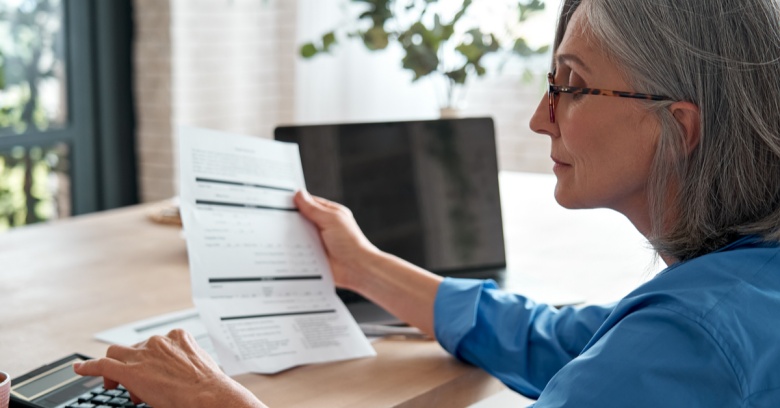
(449, 113)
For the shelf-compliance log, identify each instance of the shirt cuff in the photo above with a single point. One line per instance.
(455, 309)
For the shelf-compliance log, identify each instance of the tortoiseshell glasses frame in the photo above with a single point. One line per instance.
(554, 90)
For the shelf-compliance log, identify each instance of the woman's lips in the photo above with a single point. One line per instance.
(558, 162)
(559, 165)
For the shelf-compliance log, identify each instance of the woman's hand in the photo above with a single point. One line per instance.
(403, 289)
(168, 372)
(347, 248)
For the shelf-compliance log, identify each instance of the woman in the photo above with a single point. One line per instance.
(682, 136)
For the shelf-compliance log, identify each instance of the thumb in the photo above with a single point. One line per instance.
(311, 209)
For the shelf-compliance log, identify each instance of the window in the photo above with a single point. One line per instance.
(66, 120)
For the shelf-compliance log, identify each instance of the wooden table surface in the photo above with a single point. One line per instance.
(61, 283)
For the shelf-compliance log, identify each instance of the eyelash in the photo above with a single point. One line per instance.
(576, 81)
(569, 83)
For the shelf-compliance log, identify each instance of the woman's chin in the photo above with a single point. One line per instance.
(565, 199)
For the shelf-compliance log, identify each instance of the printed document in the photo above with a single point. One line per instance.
(136, 332)
(260, 278)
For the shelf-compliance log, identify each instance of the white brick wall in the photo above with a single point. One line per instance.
(152, 88)
(219, 64)
(231, 63)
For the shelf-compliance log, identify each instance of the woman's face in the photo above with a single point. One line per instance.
(602, 147)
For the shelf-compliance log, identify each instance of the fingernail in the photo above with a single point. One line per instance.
(76, 366)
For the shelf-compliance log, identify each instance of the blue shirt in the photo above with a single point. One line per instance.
(701, 333)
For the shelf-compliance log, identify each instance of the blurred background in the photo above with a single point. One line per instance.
(91, 91)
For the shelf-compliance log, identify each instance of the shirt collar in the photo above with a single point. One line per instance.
(747, 240)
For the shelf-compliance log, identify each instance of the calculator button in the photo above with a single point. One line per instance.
(113, 393)
(118, 401)
(104, 406)
(83, 405)
(100, 399)
(86, 397)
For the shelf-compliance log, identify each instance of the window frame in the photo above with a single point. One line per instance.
(100, 129)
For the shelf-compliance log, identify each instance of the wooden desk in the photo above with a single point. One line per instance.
(61, 283)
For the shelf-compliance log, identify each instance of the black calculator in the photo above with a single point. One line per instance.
(57, 386)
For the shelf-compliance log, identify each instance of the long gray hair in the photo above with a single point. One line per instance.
(723, 56)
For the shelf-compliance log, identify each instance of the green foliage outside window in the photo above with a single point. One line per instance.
(29, 181)
(31, 65)
(32, 99)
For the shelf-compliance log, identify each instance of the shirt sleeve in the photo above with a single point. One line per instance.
(651, 358)
(520, 342)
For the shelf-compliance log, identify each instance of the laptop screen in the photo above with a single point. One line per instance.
(426, 191)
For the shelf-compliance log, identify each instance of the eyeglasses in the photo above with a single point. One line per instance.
(553, 91)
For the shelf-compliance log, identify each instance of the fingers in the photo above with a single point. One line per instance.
(181, 335)
(133, 398)
(314, 210)
(176, 338)
(109, 384)
(101, 367)
(112, 371)
(185, 341)
(323, 204)
(108, 367)
(121, 353)
(328, 204)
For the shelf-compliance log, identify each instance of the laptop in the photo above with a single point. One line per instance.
(425, 191)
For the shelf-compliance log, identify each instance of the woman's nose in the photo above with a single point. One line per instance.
(540, 121)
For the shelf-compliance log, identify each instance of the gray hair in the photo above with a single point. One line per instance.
(723, 56)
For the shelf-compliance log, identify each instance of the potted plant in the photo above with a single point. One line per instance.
(436, 41)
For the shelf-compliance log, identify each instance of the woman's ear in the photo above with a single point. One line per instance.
(688, 116)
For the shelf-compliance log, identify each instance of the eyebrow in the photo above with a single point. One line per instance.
(567, 58)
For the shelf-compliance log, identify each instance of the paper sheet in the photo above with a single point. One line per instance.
(133, 333)
(136, 332)
(260, 278)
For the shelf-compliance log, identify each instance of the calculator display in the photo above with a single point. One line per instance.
(48, 382)
(56, 385)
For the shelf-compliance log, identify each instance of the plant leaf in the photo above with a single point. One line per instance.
(441, 32)
(420, 60)
(461, 12)
(328, 40)
(521, 48)
(529, 9)
(308, 50)
(427, 38)
(376, 38)
(379, 11)
(459, 75)
(477, 48)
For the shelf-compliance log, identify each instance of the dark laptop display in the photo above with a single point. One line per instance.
(426, 191)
